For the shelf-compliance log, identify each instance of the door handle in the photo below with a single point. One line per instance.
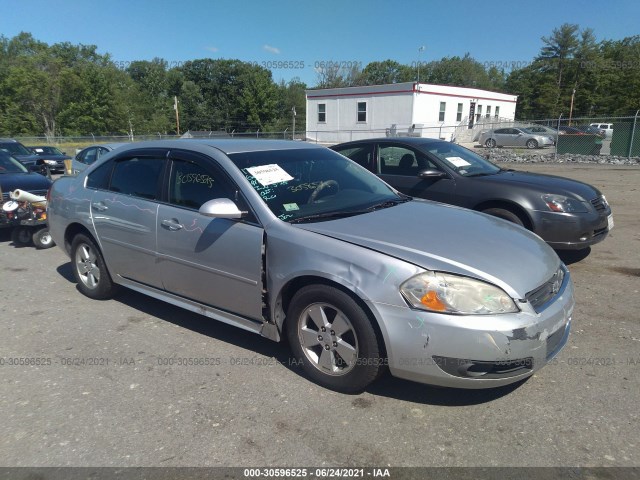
(172, 224)
(101, 207)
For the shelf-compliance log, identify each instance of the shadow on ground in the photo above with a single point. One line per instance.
(387, 386)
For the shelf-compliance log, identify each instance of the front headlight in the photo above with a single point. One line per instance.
(448, 293)
(50, 162)
(560, 203)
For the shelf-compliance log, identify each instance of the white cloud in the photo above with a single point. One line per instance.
(212, 49)
(271, 49)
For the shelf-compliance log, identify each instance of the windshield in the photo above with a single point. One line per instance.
(8, 164)
(46, 151)
(460, 159)
(15, 148)
(312, 183)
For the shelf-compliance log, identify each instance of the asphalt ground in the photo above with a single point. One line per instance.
(136, 382)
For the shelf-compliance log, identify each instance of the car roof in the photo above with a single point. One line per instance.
(227, 146)
(418, 141)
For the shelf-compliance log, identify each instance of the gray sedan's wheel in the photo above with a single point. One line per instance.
(90, 270)
(490, 143)
(531, 143)
(333, 338)
(42, 239)
(505, 215)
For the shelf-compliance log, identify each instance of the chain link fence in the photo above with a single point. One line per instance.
(492, 137)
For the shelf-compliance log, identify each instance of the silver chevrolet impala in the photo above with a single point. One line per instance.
(291, 240)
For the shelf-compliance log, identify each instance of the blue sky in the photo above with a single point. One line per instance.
(305, 32)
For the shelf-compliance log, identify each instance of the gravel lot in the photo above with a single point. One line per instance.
(108, 389)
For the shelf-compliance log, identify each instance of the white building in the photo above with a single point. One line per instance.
(437, 111)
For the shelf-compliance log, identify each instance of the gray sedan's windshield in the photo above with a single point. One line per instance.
(462, 160)
(312, 184)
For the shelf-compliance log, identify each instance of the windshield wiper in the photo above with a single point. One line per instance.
(349, 213)
(387, 204)
(327, 215)
(480, 174)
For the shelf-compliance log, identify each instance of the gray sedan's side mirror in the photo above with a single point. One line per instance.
(221, 208)
(431, 174)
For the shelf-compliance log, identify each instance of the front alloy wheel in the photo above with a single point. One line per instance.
(334, 339)
(328, 339)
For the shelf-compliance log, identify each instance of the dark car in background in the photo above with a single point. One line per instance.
(591, 130)
(52, 156)
(15, 176)
(20, 152)
(567, 214)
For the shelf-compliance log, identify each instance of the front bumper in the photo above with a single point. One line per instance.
(466, 351)
(571, 231)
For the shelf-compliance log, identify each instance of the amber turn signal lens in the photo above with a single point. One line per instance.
(432, 302)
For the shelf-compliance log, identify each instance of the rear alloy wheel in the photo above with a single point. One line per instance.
(532, 143)
(505, 215)
(42, 239)
(490, 143)
(333, 338)
(90, 270)
(21, 236)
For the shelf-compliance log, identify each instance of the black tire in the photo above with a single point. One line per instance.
(505, 215)
(21, 236)
(490, 143)
(531, 143)
(345, 356)
(90, 270)
(42, 239)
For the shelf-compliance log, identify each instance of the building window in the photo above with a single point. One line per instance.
(488, 111)
(459, 114)
(497, 114)
(479, 113)
(362, 112)
(443, 107)
(322, 112)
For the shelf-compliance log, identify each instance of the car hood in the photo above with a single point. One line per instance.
(441, 237)
(31, 182)
(547, 184)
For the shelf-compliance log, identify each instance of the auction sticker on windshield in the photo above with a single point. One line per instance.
(458, 162)
(269, 174)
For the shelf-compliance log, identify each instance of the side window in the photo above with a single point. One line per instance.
(397, 160)
(501, 131)
(90, 156)
(191, 185)
(80, 156)
(361, 155)
(99, 178)
(137, 176)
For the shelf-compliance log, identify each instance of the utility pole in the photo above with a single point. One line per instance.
(573, 94)
(175, 107)
(293, 111)
(420, 50)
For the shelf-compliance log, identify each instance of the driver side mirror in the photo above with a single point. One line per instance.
(431, 174)
(221, 208)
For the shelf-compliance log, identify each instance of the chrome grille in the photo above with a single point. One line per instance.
(542, 295)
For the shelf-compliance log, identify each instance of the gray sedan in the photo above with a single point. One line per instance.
(514, 137)
(291, 240)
